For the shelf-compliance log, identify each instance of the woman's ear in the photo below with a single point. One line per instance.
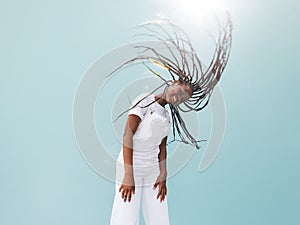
(175, 82)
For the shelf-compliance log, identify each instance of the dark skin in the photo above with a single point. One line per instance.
(161, 179)
(175, 94)
(128, 187)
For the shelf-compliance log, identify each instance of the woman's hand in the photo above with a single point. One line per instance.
(127, 187)
(162, 187)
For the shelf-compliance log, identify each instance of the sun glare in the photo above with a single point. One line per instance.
(195, 10)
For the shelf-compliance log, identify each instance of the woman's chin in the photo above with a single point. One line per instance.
(174, 103)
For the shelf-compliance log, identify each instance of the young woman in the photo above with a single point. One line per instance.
(141, 168)
(144, 155)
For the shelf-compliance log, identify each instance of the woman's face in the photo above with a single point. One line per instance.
(178, 93)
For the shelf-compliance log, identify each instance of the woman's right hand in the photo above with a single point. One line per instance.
(127, 187)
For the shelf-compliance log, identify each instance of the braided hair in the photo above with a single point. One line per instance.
(184, 66)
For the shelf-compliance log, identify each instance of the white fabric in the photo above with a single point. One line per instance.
(154, 126)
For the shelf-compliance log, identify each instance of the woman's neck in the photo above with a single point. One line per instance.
(160, 99)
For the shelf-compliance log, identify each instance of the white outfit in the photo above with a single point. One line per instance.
(154, 126)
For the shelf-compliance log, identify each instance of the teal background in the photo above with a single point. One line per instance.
(46, 46)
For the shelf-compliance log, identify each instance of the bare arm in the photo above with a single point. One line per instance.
(132, 124)
(162, 156)
(161, 179)
(128, 186)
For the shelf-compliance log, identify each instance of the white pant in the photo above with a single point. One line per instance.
(128, 213)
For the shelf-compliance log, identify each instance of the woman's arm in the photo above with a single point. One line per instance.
(132, 124)
(128, 187)
(161, 179)
(162, 156)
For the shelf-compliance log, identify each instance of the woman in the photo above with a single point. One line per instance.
(141, 169)
(144, 154)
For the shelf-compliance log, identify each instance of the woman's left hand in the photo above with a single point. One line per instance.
(162, 187)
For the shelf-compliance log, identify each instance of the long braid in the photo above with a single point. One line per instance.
(183, 65)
